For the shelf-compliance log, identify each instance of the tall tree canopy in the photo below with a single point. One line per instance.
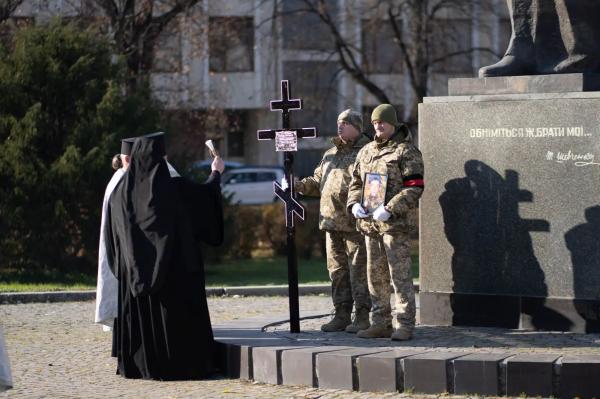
(62, 113)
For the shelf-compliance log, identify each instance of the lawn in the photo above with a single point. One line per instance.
(22, 281)
(259, 271)
(272, 271)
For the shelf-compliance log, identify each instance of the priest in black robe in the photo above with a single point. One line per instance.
(155, 224)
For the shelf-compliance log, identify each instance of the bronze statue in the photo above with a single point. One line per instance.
(550, 36)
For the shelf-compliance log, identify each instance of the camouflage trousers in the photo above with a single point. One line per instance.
(347, 267)
(388, 258)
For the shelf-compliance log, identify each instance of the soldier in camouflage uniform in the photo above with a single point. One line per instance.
(387, 229)
(346, 254)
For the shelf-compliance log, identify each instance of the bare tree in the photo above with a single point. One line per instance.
(414, 28)
(7, 7)
(136, 26)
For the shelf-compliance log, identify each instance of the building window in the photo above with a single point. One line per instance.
(237, 122)
(452, 46)
(316, 85)
(231, 43)
(380, 51)
(167, 49)
(304, 30)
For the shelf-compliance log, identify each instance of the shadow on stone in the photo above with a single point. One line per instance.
(584, 245)
(493, 261)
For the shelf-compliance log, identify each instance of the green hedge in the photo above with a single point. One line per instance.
(259, 230)
(62, 114)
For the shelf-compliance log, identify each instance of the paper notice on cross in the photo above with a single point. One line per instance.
(286, 140)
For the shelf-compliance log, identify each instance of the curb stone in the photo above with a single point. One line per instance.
(89, 295)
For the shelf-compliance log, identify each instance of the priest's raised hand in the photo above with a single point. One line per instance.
(218, 164)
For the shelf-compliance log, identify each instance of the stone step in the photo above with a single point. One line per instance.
(409, 370)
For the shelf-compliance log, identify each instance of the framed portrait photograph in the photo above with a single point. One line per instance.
(373, 193)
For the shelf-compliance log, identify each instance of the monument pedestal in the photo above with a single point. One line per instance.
(510, 217)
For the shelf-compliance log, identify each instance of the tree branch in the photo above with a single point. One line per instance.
(400, 40)
(347, 58)
(7, 7)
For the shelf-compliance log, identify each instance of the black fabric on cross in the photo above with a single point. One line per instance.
(291, 205)
(285, 104)
(305, 132)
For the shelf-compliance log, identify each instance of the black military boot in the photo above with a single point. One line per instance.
(361, 320)
(340, 319)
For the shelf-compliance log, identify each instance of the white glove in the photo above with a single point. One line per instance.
(381, 214)
(358, 211)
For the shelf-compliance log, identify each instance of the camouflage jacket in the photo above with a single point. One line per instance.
(330, 181)
(402, 162)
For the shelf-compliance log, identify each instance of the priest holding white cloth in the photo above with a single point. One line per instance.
(107, 284)
(5, 376)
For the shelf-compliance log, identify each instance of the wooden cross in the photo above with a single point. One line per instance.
(303, 133)
(285, 105)
(286, 140)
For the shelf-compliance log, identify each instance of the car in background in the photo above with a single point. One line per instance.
(251, 185)
(205, 165)
(200, 170)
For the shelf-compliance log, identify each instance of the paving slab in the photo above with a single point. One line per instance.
(266, 363)
(382, 372)
(478, 374)
(531, 375)
(429, 372)
(299, 366)
(338, 369)
(580, 377)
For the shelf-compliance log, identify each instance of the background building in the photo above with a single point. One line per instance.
(217, 64)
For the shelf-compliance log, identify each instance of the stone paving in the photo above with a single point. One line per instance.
(467, 339)
(57, 352)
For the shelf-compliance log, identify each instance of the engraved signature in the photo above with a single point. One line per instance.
(578, 159)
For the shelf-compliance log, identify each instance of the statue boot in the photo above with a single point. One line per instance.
(519, 58)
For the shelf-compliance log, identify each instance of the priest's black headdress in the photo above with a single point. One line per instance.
(126, 145)
(144, 210)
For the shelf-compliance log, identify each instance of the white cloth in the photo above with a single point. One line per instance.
(381, 214)
(108, 285)
(172, 170)
(5, 376)
(358, 211)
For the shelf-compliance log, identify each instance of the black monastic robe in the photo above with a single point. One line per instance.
(163, 328)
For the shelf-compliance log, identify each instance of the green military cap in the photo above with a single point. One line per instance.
(385, 113)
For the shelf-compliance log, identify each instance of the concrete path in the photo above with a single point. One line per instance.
(57, 352)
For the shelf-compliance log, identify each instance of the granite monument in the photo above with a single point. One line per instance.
(510, 220)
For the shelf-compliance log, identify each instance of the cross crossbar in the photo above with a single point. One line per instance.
(305, 133)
